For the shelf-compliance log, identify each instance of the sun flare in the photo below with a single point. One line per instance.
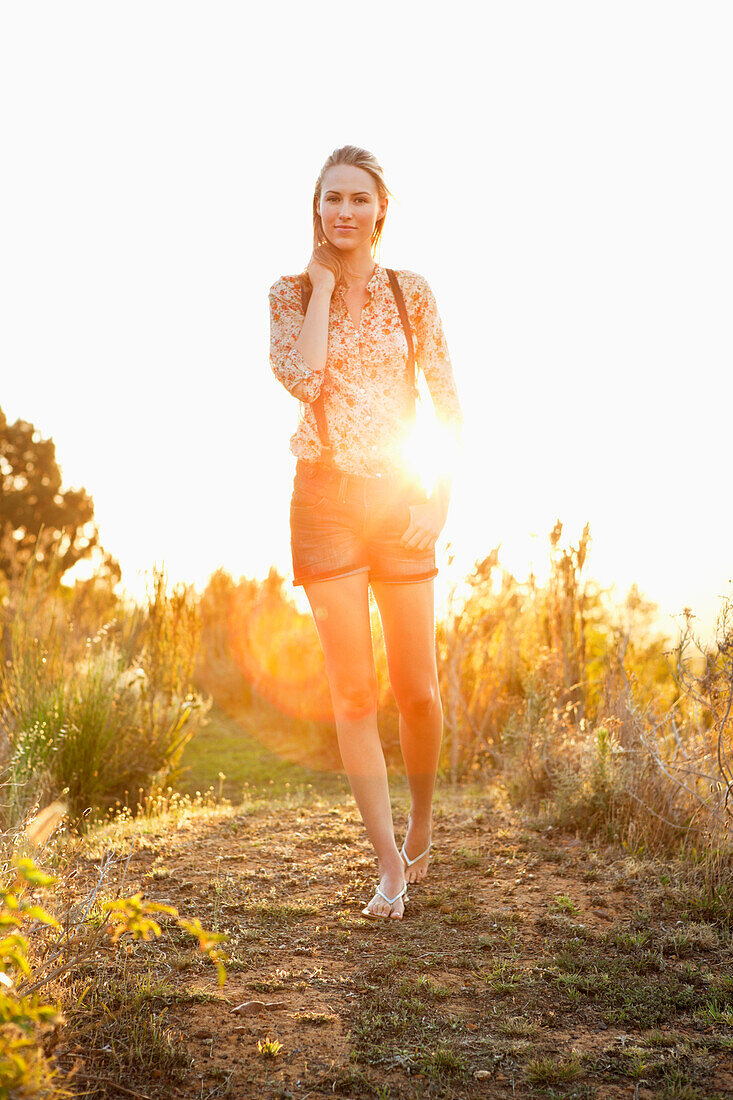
(429, 450)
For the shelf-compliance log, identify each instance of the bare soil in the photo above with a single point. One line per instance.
(527, 964)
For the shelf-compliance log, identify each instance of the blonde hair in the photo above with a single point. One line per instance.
(359, 158)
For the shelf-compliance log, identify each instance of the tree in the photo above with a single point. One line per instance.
(32, 502)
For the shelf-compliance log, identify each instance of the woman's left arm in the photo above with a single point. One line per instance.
(428, 520)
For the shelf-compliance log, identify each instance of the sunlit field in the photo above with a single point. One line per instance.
(184, 860)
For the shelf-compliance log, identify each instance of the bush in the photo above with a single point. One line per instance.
(97, 723)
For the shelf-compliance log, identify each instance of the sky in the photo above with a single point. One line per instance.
(560, 174)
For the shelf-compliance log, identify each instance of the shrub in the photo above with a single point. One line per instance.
(100, 722)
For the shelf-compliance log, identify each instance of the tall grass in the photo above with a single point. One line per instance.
(585, 712)
(94, 718)
(590, 720)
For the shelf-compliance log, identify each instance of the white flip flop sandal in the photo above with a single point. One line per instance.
(409, 862)
(390, 902)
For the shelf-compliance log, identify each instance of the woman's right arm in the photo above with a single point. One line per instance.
(298, 345)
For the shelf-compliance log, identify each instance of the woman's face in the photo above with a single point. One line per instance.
(349, 206)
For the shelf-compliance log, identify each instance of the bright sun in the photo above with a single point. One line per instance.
(429, 449)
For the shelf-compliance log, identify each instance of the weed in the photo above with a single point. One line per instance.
(442, 1062)
(558, 924)
(504, 918)
(690, 937)
(564, 904)
(629, 941)
(712, 1013)
(550, 1070)
(517, 1027)
(318, 1019)
(502, 978)
(432, 990)
(269, 1048)
(466, 857)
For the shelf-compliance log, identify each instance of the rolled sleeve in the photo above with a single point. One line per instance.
(286, 322)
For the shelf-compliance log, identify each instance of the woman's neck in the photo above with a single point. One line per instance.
(360, 270)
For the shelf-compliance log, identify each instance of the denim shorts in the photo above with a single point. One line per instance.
(342, 524)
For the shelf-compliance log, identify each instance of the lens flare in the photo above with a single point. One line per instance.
(278, 651)
(429, 451)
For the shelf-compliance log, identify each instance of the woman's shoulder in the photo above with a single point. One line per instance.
(411, 278)
(286, 288)
(415, 287)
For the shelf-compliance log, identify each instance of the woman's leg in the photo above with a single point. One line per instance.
(408, 621)
(341, 612)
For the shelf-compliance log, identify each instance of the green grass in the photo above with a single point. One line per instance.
(551, 1070)
(229, 746)
(125, 1021)
(629, 986)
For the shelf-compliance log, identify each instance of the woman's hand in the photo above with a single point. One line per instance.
(321, 276)
(426, 522)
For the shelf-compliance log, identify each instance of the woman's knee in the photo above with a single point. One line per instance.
(419, 701)
(354, 699)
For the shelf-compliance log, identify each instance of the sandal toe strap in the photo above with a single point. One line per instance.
(391, 901)
(409, 861)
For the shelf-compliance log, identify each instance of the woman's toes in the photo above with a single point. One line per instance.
(417, 872)
(377, 906)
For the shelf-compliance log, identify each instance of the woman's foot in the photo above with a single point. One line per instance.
(391, 883)
(417, 842)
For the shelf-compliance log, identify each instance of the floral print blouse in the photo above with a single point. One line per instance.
(364, 382)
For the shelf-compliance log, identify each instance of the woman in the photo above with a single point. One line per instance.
(357, 515)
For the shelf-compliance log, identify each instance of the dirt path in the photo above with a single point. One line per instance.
(526, 965)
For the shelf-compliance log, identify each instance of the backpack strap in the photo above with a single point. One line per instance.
(397, 291)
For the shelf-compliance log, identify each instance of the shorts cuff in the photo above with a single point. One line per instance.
(330, 576)
(405, 580)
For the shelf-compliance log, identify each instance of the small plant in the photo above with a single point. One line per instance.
(133, 915)
(434, 990)
(25, 1017)
(468, 858)
(318, 1019)
(712, 1013)
(639, 1067)
(630, 941)
(442, 1061)
(503, 977)
(550, 1070)
(517, 1027)
(564, 904)
(269, 1048)
(510, 936)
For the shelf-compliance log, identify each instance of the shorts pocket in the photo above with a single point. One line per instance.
(306, 498)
